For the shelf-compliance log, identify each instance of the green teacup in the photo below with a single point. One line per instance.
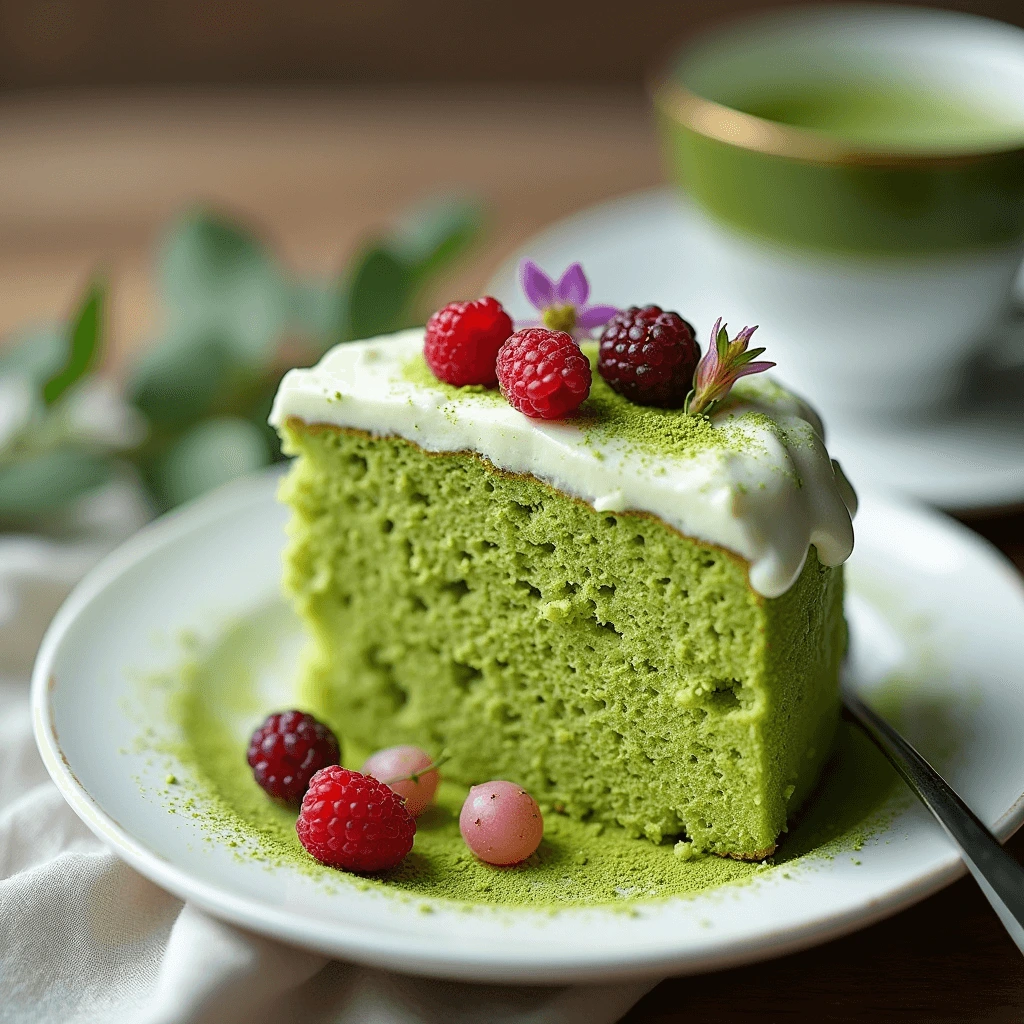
(872, 157)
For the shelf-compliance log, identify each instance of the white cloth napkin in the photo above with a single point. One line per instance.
(86, 940)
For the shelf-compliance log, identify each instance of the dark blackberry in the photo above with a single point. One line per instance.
(649, 356)
(287, 750)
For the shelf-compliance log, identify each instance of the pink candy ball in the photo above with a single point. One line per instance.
(501, 823)
(398, 762)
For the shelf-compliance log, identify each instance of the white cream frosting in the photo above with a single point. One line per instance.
(767, 497)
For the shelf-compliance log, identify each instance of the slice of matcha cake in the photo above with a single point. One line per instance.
(634, 613)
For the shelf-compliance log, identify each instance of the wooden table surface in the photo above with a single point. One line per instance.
(90, 180)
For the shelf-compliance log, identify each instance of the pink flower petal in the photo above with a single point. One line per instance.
(755, 367)
(573, 288)
(594, 316)
(708, 367)
(721, 366)
(537, 286)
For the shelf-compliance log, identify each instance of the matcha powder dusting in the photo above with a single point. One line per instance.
(214, 704)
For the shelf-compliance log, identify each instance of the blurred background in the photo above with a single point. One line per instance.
(196, 195)
(71, 44)
(317, 122)
(247, 183)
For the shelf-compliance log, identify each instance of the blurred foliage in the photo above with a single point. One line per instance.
(82, 347)
(193, 412)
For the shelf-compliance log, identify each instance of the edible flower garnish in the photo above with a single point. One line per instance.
(562, 304)
(721, 366)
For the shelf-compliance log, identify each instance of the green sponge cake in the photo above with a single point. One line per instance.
(634, 613)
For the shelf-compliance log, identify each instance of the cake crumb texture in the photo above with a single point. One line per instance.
(617, 670)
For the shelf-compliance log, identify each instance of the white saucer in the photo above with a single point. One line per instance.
(929, 602)
(646, 248)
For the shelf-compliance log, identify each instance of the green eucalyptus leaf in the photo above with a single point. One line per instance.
(381, 288)
(36, 355)
(434, 234)
(317, 311)
(178, 380)
(46, 483)
(210, 454)
(385, 278)
(217, 278)
(85, 343)
(205, 253)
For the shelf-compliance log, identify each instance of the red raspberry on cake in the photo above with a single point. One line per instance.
(462, 341)
(543, 373)
(287, 750)
(351, 821)
(649, 356)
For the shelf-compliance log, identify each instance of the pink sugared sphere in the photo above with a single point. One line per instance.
(394, 763)
(501, 823)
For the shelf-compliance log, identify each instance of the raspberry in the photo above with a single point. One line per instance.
(287, 750)
(649, 356)
(463, 339)
(352, 821)
(543, 373)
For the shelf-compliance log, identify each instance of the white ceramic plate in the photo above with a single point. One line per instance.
(928, 600)
(648, 248)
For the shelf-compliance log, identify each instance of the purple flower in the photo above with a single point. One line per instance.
(562, 304)
(721, 366)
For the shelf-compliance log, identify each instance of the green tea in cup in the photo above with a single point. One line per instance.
(885, 113)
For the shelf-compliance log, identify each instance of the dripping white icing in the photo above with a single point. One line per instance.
(768, 497)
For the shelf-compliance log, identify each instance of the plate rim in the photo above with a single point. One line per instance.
(350, 941)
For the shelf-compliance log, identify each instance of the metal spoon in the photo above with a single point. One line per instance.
(1000, 876)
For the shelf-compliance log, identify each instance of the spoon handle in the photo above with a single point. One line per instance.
(1000, 876)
